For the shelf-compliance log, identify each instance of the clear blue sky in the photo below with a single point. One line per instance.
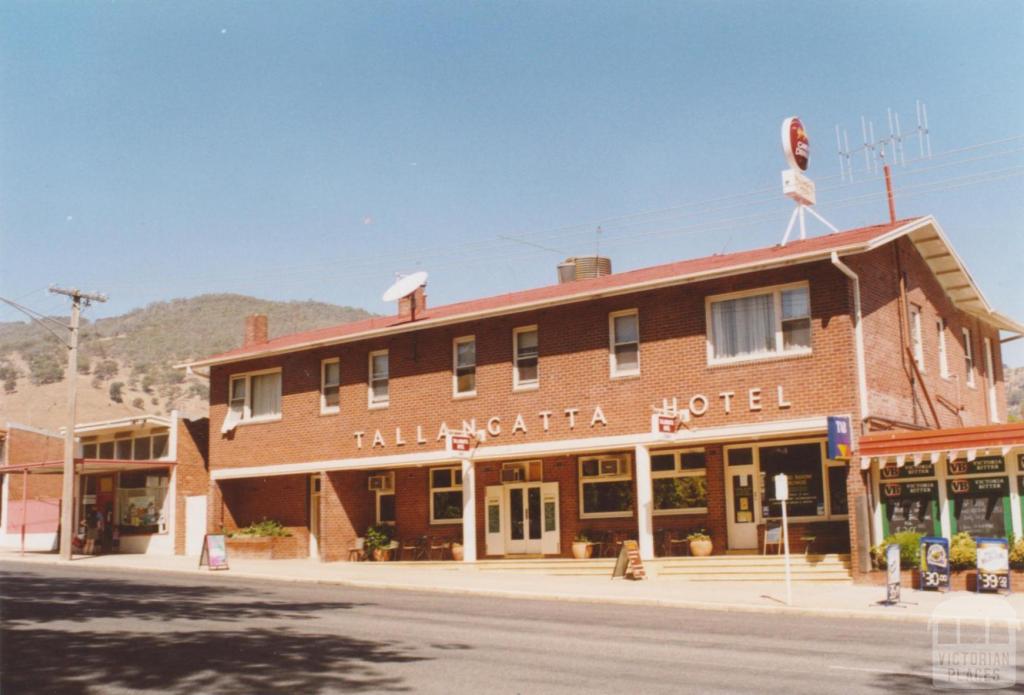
(312, 150)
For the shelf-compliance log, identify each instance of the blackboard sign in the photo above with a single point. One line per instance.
(891, 471)
(629, 565)
(215, 552)
(978, 505)
(993, 565)
(934, 564)
(910, 506)
(982, 464)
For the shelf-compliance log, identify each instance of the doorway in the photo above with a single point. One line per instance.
(522, 519)
(742, 498)
(314, 516)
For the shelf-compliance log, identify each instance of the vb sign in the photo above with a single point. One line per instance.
(839, 438)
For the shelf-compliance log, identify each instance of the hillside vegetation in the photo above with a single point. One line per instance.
(127, 360)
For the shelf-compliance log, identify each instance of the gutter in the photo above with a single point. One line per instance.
(858, 333)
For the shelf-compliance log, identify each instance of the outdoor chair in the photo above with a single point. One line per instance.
(438, 548)
(413, 548)
(678, 541)
(356, 552)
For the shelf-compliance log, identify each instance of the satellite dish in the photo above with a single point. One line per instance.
(405, 285)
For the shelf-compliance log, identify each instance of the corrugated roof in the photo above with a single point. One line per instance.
(897, 442)
(804, 250)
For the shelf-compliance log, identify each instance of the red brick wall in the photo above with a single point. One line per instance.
(346, 510)
(192, 474)
(574, 373)
(24, 446)
(285, 499)
(889, 370)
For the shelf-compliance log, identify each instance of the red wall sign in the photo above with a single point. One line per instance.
(460, 442)
(795, 144)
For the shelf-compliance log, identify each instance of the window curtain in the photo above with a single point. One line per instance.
(744, 326)
(266, 395)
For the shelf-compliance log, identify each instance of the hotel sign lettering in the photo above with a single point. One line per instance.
(567, 419)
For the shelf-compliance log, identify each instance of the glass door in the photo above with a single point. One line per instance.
(741, 499)
(524, 527)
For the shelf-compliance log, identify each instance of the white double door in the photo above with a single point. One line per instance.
(522, 519)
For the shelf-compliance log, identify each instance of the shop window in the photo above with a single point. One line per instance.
(89, 451)
(802, 465)
(838, 504)
(980, 506)
(909, 506)
(385, 507)
(330, 386)
(253, 397)
(143, 449)
(446, 495)
(624, 333)
(679, 481)
(606, 486)
(106, 450)
(740, 457)
(123, 449)
(526, 372)
(464, 366)
(754, 325)
(379, 392)
(141, 496)
(160, 444)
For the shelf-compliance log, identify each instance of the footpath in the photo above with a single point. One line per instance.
(831, 600)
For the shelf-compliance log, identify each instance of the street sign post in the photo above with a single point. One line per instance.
(782, 495)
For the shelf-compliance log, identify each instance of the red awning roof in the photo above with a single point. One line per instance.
(899, 443)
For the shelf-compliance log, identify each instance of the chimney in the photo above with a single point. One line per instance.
(255, 329)
(414, 303)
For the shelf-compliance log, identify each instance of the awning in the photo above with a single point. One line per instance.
(89, 466)
(913, 446)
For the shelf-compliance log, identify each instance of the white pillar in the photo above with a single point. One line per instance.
(468, 511)
(644, 502)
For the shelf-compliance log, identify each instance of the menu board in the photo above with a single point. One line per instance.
(982, 464)
(910, 506)
(891, 471)
(215, 552)
(993, 564)
(978, 505)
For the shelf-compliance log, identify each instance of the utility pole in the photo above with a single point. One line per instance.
(67, 503)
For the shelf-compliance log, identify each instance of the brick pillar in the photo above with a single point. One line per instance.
(856, 488)
(346, 509)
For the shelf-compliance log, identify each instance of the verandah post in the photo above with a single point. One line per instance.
(644, 502)
(468, 511)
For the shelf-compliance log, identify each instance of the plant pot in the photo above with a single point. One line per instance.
(581, 550)
(457, 553)
(381, 554)
(701, 548)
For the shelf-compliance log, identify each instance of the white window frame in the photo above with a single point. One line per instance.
(779, 352)
(940, 326)
(456, 342)
(324, 408)
(370, 403)
(993, 401)
(613, 367)
(518, 385)
(247, 416)
(917, 336)
(605, 479)
(969, 365)
(456, 472)
(679, 472)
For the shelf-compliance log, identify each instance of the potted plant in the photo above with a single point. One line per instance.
(378, 542)
(457, 552)
(581, 546)
(700, 543)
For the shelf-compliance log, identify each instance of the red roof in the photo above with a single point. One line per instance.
(794, 251)
(924, 441)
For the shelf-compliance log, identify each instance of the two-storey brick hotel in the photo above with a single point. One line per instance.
(331, 431)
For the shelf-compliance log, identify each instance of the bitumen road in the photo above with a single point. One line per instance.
(75, 629)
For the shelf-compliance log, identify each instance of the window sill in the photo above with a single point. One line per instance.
(258, 421)
(625, 375)
(696, 511)
(607, 515)
(464, 396)
(526, 388)
(378, 406)
(445, 522)
(335, 411)
(774, 357)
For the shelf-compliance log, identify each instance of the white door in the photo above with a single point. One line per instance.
(525, 509)
(195, 524)
(742, 506)
(495, 532)
(314, 516)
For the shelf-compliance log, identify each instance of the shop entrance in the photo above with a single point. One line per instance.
(522, 519)
(314, 516)
(742, 499)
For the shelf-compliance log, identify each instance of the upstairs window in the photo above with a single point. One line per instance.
(940, 331)
(624, 329)
(464, 366)
(915, 336)
(252, 397)
(526, 371)
(968, 357)
(759, 324)
(379, 392)
(990, 372)
(330, 386)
